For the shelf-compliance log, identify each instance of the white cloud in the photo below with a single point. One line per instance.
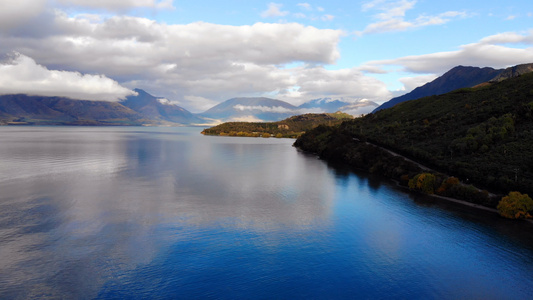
(411, 83)
(305, 6)
(274, 10)
(361, 107)
(272, 109)
(356, 107)
(318, 82)
(510, 18)
(165, 4)
(201, 103)
(18, 12)
(20, 74)
(392, 16)
(119, 4)
(187, 63)
(328, 18)
(490, 51)
(249, 118)
(309, 8)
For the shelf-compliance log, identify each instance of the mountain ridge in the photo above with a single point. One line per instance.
(144, 109)
(159, 109)
(253, 108)
(456, 78)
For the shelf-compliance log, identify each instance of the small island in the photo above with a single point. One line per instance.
(292, 127)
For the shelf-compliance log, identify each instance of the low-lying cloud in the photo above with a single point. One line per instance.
(353, 107)
(273, 109)
(20, 74)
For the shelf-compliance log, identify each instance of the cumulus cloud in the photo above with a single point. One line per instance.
(392, 16)
(489, 51)
(318, 82)
(118, 5)
(15, 13)
(274, 10)
(195, 64)
(20, 74)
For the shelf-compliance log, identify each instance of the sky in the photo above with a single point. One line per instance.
(200, 53)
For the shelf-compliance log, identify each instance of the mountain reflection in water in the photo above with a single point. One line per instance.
(130, 212)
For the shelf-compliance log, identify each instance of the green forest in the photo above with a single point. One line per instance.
(292, 127)
(481, 136)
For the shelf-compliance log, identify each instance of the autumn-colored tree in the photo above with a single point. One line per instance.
(423, 182)
(516, 206)
(447, 184)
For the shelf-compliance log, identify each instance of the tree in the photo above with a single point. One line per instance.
(515, 206)
(447, 184)
(423, 182)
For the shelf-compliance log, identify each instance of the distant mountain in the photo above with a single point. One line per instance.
(159, 109)
(250, 109)
(63, 111)
(326, 104)
(513, 72)
(456, 78)
(331, 105)
(141, 109)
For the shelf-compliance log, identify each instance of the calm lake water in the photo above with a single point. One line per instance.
(137, 213)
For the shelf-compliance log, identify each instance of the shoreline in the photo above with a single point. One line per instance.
(346, 164)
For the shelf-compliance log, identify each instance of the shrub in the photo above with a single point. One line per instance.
(515, 206)
(423, 182)
(447, 184)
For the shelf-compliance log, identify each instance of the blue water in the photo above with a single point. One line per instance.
(166, 213)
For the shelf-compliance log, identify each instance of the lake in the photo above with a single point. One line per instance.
(166, 213)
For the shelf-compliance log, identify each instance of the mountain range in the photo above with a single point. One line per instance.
(250, 109)
(457, 78)
(146, 109)
(160, 110)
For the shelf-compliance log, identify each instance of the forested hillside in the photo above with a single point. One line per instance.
(481, 135)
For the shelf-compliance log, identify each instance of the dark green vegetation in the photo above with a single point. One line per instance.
(483, 136)
(289, 128)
